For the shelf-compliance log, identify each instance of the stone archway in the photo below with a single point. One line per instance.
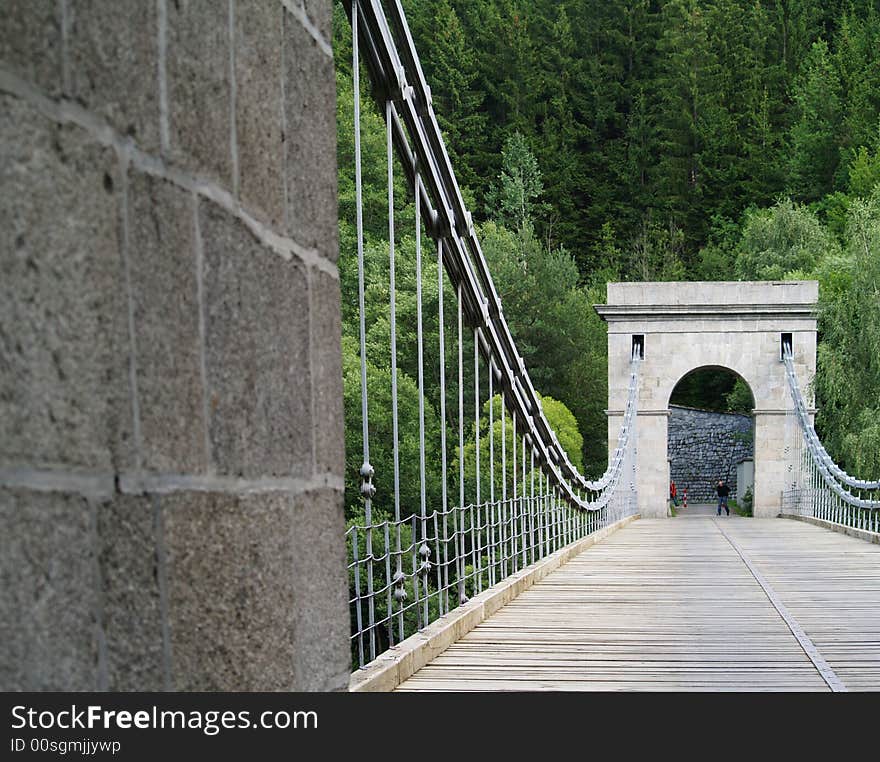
(684, 326)
(708, 442)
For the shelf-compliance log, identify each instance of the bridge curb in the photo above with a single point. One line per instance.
(402, 661)
(859, 534)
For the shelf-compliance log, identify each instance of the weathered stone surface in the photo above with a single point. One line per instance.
(327, 375)
(232, 606)
(220, 590)
(704, 447)
(320, 13)
(257, 353)
(47, 593)
(310, 92)
(198, 71)
(320, 585)
(30, 41)
(258, 108)
(63, 324)
(162, 261)
(132, 615)
(114, 65)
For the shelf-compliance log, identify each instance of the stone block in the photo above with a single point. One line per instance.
(310, 155)
(232, 609)
(327, 375)
(47, 593)
(259, 108)
(257, 353)
(132, 615)
(30, 42)
(320, 13)
(162, 262)
(64, 388)
(114, 66)
(198, 77)
(320, 584)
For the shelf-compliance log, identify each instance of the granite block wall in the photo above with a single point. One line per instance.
(705, 446)
(171, 444)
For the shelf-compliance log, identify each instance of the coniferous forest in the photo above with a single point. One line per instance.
(642, 140)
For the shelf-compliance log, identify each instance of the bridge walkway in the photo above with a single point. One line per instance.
(676, 604)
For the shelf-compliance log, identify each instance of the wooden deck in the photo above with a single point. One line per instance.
(673, 605)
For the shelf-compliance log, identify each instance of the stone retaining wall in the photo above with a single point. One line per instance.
(705, 446)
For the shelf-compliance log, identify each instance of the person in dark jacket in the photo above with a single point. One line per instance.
(723, 491)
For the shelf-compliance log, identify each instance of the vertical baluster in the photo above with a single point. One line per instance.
(389, 584)
(476, 531)
(523, 501)
(424, 551)
(438, 566)
(414, 547)
(532, 507)
(542, 520)
(444, 501)
(462, 597)
(504, 532)
(399, 576)
(367, 488)
(481, 545)
(566, 521)
(514, 503)
(560, 519)
(357, 595)
(493, 555)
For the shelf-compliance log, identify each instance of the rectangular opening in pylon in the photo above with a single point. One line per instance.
(638, 347)
(785, 338)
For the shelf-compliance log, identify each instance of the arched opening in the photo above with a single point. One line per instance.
(710, 439)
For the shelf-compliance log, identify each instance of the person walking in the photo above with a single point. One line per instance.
(723, 492)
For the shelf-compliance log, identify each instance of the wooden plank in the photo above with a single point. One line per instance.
(670, 605)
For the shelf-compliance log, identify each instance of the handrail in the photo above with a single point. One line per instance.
(408, 569)
(833, 476)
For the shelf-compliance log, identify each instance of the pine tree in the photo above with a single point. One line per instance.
(814, 148)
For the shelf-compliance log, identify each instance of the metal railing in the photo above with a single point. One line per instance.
(410, 568)
(815, 485)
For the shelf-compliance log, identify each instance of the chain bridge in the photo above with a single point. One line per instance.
(182, 506)
(527, 575)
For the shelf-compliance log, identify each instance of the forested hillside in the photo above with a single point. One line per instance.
(667, 140)
(655, 122)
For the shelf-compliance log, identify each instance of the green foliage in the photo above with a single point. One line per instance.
(746, 509)
(655, 252)
(739, 399)
(381, 438)
(713, 389)
(814, 147)
(864, 171)
(779, 240)
(671, 140)
(848, 379)
(520, 186)
(497, 450)
(561, 338)
(657, 116)
(563, 422)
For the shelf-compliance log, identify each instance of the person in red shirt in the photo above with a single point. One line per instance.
(673, 493)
